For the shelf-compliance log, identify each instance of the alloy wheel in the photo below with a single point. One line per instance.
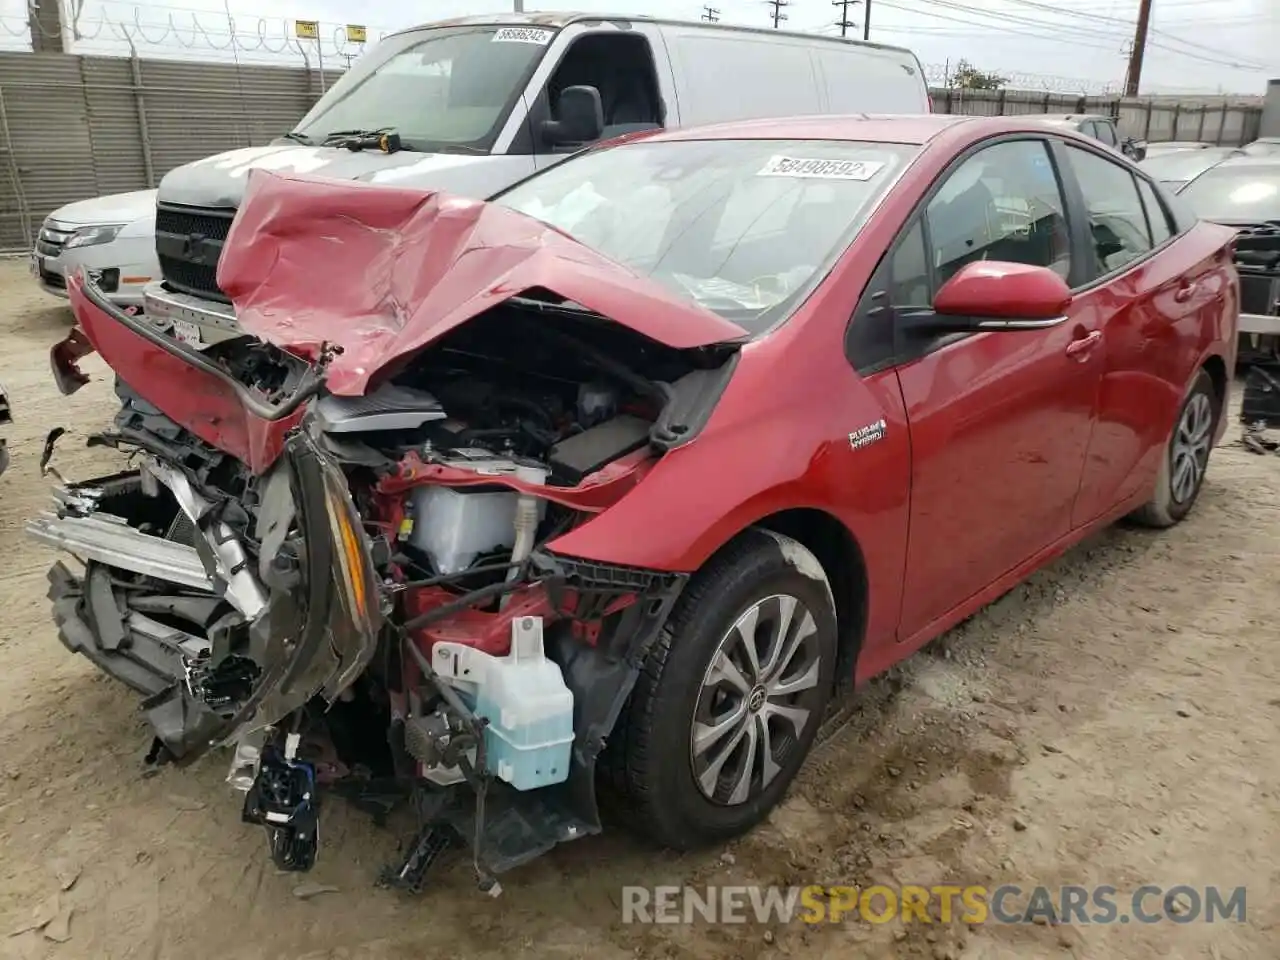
(1189, 453)
(759, 692)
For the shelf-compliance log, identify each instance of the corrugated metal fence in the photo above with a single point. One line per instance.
(76, 127)
(1225, 120)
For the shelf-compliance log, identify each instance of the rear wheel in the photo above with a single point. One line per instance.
(730, 699)
(1186, 458)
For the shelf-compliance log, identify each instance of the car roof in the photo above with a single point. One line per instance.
(556, 20)
(1069, 117)
(917, 129)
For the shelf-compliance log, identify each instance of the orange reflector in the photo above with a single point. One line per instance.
(355, 568)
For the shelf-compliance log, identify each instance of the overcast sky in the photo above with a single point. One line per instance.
(1196, 45)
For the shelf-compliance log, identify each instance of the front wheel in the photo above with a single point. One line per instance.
(1186, 458)
(731, 697)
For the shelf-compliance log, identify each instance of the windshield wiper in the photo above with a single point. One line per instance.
(384, 139)
(355, 133)
(298, 138)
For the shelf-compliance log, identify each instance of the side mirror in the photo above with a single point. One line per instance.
(581, 117)
(994, 295)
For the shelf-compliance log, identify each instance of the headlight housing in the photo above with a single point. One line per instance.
(92, 236)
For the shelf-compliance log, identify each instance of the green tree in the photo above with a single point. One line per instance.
(969, 77)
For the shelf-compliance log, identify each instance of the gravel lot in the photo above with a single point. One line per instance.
(1113, 721)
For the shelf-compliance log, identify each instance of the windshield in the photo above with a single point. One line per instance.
(746, 228)
(1236, 194)
(443, 89)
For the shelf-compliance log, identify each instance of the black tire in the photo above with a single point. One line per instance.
(1167, 506)
(651, 754)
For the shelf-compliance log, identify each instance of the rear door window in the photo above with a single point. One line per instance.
(1117, 221)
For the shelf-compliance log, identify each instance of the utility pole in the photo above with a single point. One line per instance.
(844, 23)
(1134, 76)
(44, 17)
(519, 6)
(866, 21)
(711, 14)
(778, 15)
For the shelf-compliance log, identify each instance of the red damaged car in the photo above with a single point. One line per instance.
(623, 476)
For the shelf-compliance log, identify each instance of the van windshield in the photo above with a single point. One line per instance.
(745, 228)
(446, 89)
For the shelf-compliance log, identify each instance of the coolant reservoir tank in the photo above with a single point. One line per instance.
(523, 695)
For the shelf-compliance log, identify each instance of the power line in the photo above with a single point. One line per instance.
(1121, 21)
(844, 22)
(711, 14)
(777, 14)
(1082, 35)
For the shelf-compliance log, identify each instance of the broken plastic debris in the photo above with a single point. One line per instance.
(305, 891)
(41, 916)
(59, 928)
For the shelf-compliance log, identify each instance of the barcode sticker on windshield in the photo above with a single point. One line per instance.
(821, 169)
(523, 35)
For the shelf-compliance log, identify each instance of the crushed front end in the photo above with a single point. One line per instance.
(360, 595)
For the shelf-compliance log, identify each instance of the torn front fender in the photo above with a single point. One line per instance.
(382, 271)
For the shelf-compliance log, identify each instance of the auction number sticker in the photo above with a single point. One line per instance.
(523, 35)
(821, 169)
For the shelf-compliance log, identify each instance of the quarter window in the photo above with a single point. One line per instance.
(1157, 216)
(1117, 222)
(909, 271)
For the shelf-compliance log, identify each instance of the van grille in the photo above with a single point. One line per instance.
(189, 244)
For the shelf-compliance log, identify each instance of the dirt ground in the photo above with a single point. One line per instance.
(1112, 721)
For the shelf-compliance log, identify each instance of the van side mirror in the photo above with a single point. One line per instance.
(581, 117)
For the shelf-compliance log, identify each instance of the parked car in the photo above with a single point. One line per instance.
(1243, 192)
(1178, 168)
(642, 462)
(113, 237)
(1263, 146)
(475, 104)
(1102, 129)
(1160, 148)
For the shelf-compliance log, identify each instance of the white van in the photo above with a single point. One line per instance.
(472, 105)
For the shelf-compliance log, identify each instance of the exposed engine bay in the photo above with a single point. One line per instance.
(380, 613)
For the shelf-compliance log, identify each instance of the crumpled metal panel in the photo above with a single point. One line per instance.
(382, 271)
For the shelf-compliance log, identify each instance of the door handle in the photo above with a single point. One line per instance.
(1079, 349)
(1184, 292)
